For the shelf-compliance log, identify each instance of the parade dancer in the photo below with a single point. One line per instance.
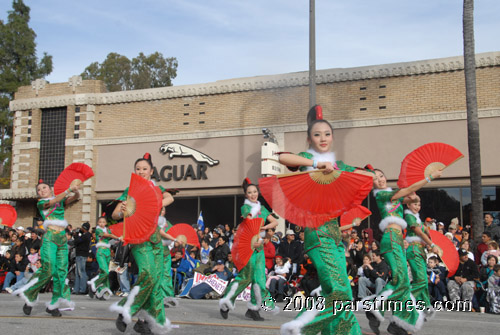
(324, 244)
(53, 252)
(99, 285)
(254, 272)
(145, 295)
(415, 254)
(398, 289)
(167, 287)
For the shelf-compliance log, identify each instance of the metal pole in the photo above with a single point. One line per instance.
(312, 54)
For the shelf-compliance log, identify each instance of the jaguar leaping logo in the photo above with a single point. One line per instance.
(180, 150)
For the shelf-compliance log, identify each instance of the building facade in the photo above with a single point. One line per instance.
(205, 138)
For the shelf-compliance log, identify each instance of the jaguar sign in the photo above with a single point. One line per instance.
(197, 171)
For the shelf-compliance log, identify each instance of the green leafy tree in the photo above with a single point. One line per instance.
(19, 66)
(120, 73)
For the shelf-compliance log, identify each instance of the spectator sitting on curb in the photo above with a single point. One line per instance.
(204, 290)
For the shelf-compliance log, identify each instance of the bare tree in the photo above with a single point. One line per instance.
(472, 121)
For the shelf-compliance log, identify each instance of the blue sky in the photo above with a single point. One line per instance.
(222, 39)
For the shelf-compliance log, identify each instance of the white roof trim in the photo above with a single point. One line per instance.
(260, 82)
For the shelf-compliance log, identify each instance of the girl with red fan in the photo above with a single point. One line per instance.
(254, 272)
(54, 251)
(324, 244)
(390, 204)
(417, 237)
(99, 285)
(145, 295)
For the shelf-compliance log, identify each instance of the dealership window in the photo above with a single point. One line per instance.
(183, 210)
(216, 210)
(52, 143)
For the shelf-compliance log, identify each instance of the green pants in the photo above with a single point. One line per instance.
(396, 295)
(100, 283)
(54, 258)
(253, 273)
(419, 287)
(167, 288)
(146, 296)
(330, 313)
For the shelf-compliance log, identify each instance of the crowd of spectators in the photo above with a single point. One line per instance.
(288, 268)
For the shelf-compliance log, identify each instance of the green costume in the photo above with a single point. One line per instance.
(253, 273)
(415, 254)
(325, 249)
(145, 296)
(54, 258)
(100, 283)
(398, 289)
(167, 287)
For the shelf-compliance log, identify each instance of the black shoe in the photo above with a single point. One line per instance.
(120, 324)
(53, 312)
(224, 313)
(27, 309)
(396, 330)
(91, 293)
(373, 322)
(254, 315)
(279, 297)
(142, 327)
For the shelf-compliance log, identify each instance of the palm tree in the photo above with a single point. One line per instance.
(472, 121)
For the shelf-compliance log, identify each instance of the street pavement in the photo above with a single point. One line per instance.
(200, 317)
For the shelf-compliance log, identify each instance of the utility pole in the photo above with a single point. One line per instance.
(312, 54)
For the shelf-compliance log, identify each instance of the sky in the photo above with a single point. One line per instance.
(223, 39)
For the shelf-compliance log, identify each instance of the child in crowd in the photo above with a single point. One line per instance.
(492, 250)
(437, 279)
(33, 255)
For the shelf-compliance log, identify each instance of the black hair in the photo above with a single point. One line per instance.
(40, 182)
(376, 252)
(434, 258)
(492, 256)
(247, 183)
(487, 233)
(146, 158)
(315, 115)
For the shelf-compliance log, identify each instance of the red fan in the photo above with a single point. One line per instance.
(311, 198)
(8, 215)
(358, 212)
(74, 174)
(117, 229)
(448, 254)
(184, 233)
(246, 235)
(143, 208)
(423, 161)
